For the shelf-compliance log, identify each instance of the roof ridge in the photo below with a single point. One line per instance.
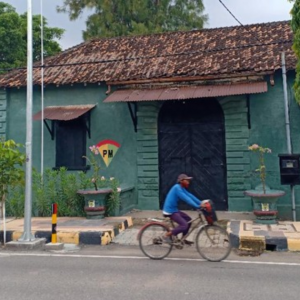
(184, 31)
(169, 33)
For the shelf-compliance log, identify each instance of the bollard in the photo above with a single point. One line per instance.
(54, 221)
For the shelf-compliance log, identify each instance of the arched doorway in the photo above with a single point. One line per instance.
(191, 138)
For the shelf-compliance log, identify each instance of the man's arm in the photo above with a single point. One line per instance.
(183, 195)
(194, 198)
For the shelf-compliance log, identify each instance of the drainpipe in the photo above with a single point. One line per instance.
(287, 126)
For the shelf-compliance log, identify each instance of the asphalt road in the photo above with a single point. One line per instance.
(113, 273)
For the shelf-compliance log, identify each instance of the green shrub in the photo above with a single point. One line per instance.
(58, 186)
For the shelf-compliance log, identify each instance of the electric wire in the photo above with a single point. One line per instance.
(234, 16)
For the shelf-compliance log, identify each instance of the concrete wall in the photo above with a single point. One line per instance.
(136, 163)
(108, 121)
(268, 129)
(147, 155)
(263, 123)
(3, 113)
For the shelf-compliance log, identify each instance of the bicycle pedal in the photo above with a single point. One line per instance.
(178, 244)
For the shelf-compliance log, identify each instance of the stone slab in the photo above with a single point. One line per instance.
(36, 244)
(54, 246)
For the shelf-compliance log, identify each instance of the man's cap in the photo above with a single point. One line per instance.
(182, 177)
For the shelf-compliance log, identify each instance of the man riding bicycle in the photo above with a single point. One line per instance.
(170, 209)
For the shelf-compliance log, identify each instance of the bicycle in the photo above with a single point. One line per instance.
(212, 241)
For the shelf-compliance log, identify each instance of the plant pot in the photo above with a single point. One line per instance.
(95, 202)
(265, 204)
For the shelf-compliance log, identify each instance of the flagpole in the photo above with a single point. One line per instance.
(27, 235)
(42, 91)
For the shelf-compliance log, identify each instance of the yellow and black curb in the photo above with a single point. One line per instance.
(245, 235)
(103, 236)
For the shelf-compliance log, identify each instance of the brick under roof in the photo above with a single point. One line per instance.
(239, 50)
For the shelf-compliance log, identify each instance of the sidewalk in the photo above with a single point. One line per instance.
(70, 230)
(244, 233)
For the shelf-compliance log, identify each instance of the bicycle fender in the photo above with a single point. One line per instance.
(148, 224)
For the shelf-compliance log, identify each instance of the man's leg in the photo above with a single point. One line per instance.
(187, 218)
(181, 219)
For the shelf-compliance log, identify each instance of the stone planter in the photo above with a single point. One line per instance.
(95, 202)
(126, 201)
(265, 204)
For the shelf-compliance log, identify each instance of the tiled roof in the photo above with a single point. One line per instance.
(239, 50)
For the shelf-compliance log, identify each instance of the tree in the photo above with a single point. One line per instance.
(11, 173)
(13, 38)
(295, 24)
(133, 17)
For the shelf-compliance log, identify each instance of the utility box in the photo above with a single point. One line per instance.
(289, 169)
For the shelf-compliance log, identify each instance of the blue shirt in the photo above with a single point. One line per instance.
(176, 193)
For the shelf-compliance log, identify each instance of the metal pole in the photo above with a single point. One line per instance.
(286, 105)
(42, 91)
(54, 223)
(27, 236)
(287, 126)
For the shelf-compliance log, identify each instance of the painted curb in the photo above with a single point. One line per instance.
(93, 237)
(261, 240)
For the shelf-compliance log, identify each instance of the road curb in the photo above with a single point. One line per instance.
(103, 236)
(262, 240)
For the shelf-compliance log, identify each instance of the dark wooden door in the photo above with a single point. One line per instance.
(192, 141)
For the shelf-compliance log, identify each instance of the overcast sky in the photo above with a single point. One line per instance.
(246, 11)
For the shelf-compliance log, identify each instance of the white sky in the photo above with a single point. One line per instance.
(246, 11)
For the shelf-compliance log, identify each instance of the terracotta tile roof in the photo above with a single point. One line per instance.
(240, 50)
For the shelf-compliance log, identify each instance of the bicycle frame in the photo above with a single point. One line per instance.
(199, 225)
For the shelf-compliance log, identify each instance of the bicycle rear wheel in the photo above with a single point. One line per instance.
(151, 242)
(213, 243)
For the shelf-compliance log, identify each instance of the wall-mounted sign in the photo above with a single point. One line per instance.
(108, 150)
(265, 207)
(92, 203)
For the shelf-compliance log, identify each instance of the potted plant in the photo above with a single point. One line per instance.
(103, 198)
(264, 198)
(11, 172)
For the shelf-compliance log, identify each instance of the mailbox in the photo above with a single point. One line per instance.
(289, 169)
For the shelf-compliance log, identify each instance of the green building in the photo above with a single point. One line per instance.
(164, 104)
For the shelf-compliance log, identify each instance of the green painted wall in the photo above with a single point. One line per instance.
(3, 113)
(108, 121)
(136, 163)
(268, 129)
(147, 155)
(237, 156)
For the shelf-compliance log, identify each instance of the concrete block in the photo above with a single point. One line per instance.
(36, 244)
(252, 243)
(54, 246)
(293, 244)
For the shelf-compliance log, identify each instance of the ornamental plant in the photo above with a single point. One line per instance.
(99, 181)
(262, 167)
(11, 172)
(94, 160)
(11, 162)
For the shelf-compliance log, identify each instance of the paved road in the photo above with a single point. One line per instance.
(115, 272)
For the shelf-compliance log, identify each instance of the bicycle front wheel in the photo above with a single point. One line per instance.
(213, 243)
(151, 242)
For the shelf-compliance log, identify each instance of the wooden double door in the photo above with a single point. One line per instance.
(192, 141)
